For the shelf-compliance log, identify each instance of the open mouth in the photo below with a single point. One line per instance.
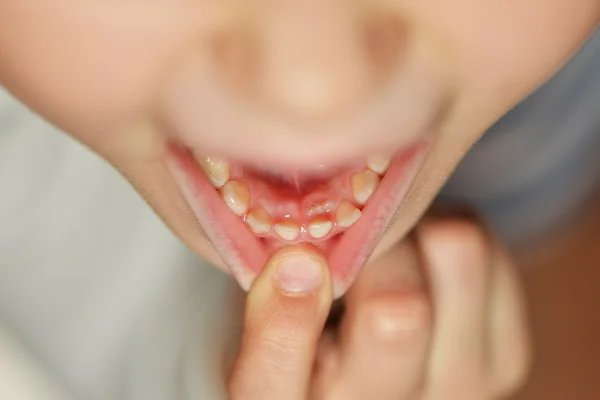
(248, 212)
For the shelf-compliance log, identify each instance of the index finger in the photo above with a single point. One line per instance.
(284, 317)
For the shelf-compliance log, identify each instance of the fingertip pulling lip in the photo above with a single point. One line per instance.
(245, 254)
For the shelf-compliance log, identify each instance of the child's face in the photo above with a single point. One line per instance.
(294, 95)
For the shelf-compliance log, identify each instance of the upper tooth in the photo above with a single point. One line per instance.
(216, 170)
(287, 230)
(378, 164)
(319, 227)
(237, 196)
(259, 220)
(363, 185)
(346, 214)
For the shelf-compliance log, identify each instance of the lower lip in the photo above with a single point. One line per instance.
(244, 253)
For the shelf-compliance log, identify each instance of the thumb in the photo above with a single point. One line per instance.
(284, 317)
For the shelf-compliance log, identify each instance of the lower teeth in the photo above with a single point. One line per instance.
(259, 221)
(327, 217)
(319, 227)
(346, 214)
(237, 197)
(287, 230)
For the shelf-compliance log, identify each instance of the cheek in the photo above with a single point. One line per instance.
(443, 158)
(509, 48)
(153, 182)
(89, 64)
(496, 48)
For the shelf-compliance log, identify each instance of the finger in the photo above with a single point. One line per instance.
(386, 331)
(285, 313)
(326, 368)
(510, 342)
(458, 264)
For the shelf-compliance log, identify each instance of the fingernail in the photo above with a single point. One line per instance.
(298, 274)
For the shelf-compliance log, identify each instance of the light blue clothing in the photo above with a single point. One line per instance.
(539, 163)
(109, 305)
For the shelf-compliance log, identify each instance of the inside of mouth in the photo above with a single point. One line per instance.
(232, 202)
(295, 207)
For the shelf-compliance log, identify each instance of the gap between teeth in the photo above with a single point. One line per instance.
(236, 195)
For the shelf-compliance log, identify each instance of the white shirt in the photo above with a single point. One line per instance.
(94, 289)
(99, 300)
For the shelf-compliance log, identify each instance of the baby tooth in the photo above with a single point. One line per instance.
(259, 220)
(237, 197)
(287, 230)
(319, 227)
(216, 170)
(346, 215)
(378, 164)
(363, 185)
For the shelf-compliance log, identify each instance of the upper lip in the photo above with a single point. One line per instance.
(277, 145)
(204, 113)
(249, 133)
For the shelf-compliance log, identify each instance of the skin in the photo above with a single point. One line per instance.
(112, 81)
(122, 79)
(403, 336)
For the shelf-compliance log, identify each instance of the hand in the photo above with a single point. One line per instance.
(440, 316)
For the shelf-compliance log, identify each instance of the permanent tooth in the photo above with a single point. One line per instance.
(216, 170)
(287, 230)
(346, 214)
(319, 227)
(322, 208)
(259, 220)
(237, 197)
(363, 185)
(378, 164)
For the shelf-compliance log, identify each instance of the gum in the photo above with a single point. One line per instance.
(299, 202)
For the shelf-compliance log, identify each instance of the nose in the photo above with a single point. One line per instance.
(310, 59)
